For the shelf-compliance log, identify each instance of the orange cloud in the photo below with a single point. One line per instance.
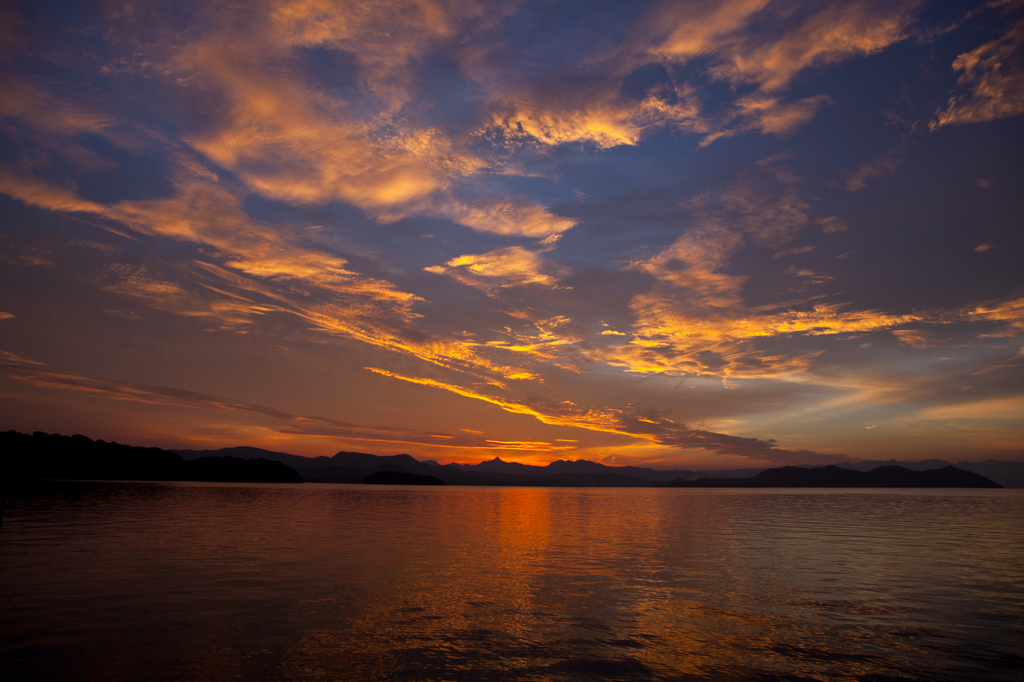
(291, 141)
(917, 338)
(509, 216)
(833, 34)
(264, 269)
(41, 110)
(509, 267)
(993, 78)
(1010, 312)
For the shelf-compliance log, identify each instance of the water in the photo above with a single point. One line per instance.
(129, 581)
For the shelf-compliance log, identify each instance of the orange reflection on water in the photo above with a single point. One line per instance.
(375, 582)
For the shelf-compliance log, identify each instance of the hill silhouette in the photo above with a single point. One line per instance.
(297, 462)
(838, 477)
(1007, 474)
(401, 478)
(49, 455)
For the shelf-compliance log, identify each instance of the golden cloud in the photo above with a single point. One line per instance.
(513, 266)
(1010, 312)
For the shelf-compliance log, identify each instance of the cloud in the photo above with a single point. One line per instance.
(15, 359)
(724, 41)
(831, 35)
(1009, 312)
(693, 262)
(257, 269)
(872, 168)
(292, 138)
(810, 275)
(287, 423)
(631, 421)
(981, 248)
(6, 316)
(694, 319)
(917, 338)
(206, 213)
(124, 314)
(43, 111)
(992, 77)
(831, 225)
(793, 252)
(300, 144)
(228, 312)
(509, 216)
(513, 266)
(1009, 407)
(580, 117)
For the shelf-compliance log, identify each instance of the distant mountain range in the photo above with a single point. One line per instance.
(354, 467)
(44, 455)
(838, 477)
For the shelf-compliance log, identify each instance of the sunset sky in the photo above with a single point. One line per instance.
(677, 234)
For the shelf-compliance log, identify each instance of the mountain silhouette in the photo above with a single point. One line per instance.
(52, 456)
(297, 462)
(837, 477)
(401, 478)
(1007, 474)
(353, 467)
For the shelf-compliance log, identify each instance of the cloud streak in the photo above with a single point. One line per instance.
(287, 423)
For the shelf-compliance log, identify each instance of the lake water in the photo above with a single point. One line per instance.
(192, 581)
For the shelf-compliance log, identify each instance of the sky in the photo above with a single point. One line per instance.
(692, 234)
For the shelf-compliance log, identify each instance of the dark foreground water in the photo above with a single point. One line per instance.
(132, 581)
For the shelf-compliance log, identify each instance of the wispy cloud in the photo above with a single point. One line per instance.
(992, 79)
(285, 422)
(872, 168)
(917, 338)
